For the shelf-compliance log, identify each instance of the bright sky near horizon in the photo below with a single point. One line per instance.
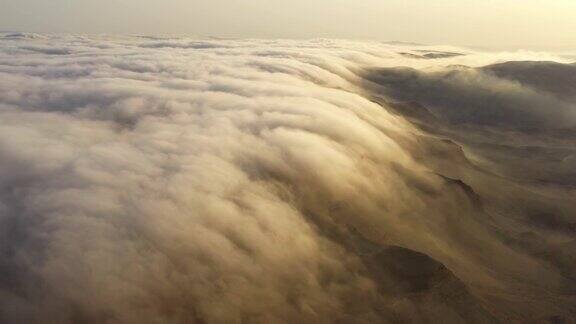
(498, 24)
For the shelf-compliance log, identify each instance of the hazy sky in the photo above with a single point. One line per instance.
(491, 23)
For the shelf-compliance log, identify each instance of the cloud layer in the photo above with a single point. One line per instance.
(155, 180)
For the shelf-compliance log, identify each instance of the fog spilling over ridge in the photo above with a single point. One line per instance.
(180, 180)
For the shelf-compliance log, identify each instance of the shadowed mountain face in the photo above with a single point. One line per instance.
(555, 78)
(512, 128)
(176, 180)
(518, 115)
(514, 95)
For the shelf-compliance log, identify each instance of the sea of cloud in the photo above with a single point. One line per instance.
(180, 180)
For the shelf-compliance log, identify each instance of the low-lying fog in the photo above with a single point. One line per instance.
(173, 180)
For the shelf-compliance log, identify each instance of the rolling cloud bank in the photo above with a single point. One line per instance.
(176, 180)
